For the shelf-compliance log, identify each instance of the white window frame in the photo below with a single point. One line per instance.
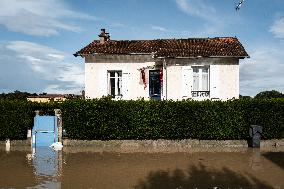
(117, 83)
(200, 74)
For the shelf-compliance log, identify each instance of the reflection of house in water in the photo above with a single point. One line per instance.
(51, 97)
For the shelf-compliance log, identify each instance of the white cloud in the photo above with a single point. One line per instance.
(38, 18)
(263, 71)
(278, 28)
(118, 25)
(197, 8)
(32, 67)
(214, 20)
(159, 28)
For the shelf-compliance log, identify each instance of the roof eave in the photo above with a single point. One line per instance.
(188, 57)
(82, 55)
(240, 57)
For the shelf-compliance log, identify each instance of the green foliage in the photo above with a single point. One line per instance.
(104, 119)
(16, 117)
(269, 95)
(241, 97)
(16, 95)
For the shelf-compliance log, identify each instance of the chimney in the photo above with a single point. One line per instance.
(104, 37)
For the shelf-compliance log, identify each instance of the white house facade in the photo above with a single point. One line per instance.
(164, 69)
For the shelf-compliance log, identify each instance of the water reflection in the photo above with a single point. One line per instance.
(113, 170)
(15, 171)
(47, 165)
(276, 157)
(255, 159)
(199, 177)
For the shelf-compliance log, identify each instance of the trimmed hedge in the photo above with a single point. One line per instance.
(17, 116)
(104, 119)
(15, 119)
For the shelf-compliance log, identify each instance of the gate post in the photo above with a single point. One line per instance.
(33, 137)
(37, 112)
(59, 124)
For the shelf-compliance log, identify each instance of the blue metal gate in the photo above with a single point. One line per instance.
(47, 162)
(45, 131)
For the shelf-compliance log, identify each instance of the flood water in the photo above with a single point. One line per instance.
(84, 168)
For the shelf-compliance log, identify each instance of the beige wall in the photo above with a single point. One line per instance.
(223, 78)
(38, 99)
(132, 88)
(229, 81)
(47, 99)
(173, 84)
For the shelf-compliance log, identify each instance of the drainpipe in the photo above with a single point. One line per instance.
(165, 66)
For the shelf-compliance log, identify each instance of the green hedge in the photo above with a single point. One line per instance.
(105, 119)
(16, 117)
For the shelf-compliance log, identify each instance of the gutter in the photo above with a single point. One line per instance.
(189, 57)
(76, 54)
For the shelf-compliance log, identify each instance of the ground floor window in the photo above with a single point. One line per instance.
(200, 78)
(115, 83)
(200, 87)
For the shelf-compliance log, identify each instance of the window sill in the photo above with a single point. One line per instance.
(200, 94)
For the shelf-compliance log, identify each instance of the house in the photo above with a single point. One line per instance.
(47, 98)
(194, 68)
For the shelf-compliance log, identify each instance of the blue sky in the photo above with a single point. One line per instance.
(38, 38)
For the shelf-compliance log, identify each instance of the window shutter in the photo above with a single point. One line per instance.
(108, 84)
(125, 85)
(215, 84)
(186, 81)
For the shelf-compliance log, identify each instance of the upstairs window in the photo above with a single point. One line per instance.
(115, 83)
(200, 78)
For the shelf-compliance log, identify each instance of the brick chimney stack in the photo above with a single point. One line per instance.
(104, 37)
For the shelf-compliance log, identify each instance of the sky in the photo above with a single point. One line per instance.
(39, 37)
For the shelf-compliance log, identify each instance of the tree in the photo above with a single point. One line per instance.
(244, 97)
(16, 95)
(269, 95)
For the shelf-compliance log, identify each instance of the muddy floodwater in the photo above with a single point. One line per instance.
(84, 168)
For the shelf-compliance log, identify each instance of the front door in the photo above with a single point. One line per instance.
(154, 84)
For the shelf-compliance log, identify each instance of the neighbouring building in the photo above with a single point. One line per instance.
(47, 98)
(194, 68)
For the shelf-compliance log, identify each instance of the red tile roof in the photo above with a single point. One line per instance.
(192, 47)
